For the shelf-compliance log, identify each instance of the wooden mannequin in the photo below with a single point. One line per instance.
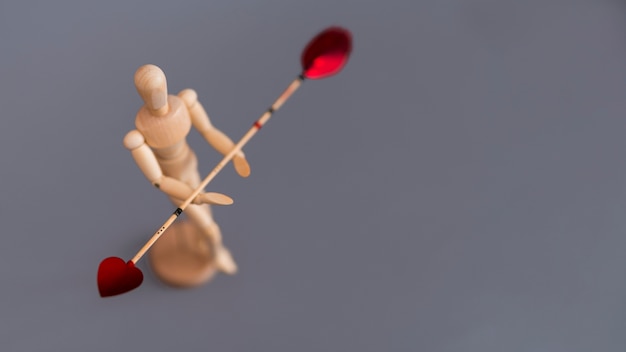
(189, 252)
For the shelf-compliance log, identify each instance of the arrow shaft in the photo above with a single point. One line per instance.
(295, 84)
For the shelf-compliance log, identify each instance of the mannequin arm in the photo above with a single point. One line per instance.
(216, 138)
(147, 162)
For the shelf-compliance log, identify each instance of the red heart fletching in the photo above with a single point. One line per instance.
(327, 53)
(116, 276)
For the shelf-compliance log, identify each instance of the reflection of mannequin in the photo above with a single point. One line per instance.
(160, 150)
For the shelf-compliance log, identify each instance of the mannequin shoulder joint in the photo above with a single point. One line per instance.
(189, 96)
(133, 140)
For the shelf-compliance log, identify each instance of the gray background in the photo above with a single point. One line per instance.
(460, 186)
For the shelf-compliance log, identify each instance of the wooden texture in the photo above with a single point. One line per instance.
(161, 152)
(183, 257)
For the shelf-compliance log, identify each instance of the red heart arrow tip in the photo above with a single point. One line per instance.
(327, 53)
(116, 276)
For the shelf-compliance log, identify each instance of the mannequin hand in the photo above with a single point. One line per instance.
(241, 164)
(213, 198)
